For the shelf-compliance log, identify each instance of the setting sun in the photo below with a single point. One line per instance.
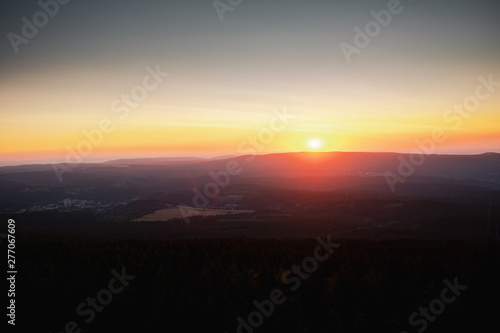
(314, 143)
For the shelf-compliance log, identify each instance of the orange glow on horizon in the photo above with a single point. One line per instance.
(41, 140)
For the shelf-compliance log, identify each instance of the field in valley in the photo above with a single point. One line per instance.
(186, 211)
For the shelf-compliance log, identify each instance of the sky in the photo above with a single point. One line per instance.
(96, 80)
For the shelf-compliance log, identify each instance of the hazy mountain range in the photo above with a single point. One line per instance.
(438, 175)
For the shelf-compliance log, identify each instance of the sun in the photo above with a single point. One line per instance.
(314, 143)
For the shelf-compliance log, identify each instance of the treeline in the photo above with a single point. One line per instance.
(205, 285)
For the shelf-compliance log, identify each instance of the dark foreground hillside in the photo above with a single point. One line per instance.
(205, 285)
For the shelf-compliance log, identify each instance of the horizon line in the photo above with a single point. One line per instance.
(225, 156)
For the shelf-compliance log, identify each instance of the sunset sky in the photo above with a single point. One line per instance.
(227, 79)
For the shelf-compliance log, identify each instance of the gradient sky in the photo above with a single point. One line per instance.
(227, 78)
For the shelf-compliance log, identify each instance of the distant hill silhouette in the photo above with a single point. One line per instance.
(464, 177)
